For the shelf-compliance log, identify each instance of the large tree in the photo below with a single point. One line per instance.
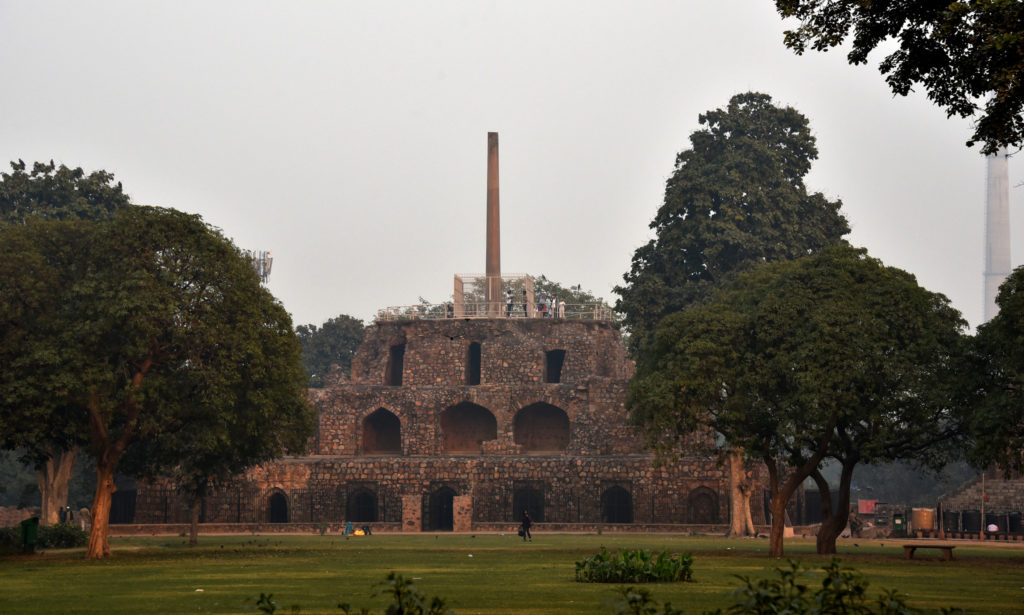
(997, 380)
(968, 55)
(831, 355)
(50, 192)
(333, 343)
(737, 199)
(154, 318)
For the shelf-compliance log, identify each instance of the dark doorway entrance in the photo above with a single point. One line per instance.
(278, 508)
(362, 507)
(122, 506)
(441, 515)
(616, 506)
(530, 500)
(703, 506)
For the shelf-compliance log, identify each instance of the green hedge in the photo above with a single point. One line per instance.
(635, 566)
(59, 536)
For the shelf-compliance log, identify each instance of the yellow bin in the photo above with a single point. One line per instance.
(922, 519)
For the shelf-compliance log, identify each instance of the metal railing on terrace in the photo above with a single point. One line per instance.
(495, 309)
(477, 295)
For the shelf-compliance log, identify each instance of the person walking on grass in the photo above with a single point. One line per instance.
(527, 522)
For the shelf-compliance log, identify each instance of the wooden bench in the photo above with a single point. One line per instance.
(947, 550)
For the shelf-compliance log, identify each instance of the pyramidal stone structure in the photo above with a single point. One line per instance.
(461, 416)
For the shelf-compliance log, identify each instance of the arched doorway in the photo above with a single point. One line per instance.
(361, 506)
(382, 433)
(278, 508)
(530, 500)
(542, 428)
(703, 506)
(466, 426)
(616, 505)
(441, 512)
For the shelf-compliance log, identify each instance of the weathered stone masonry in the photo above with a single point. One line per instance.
(473, 421)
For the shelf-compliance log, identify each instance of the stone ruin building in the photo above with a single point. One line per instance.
(461, 416)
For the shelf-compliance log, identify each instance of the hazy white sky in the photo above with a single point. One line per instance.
(350, 137)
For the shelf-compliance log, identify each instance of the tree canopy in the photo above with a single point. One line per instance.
(997, 380)
(831, 355)
(967, 54)
(736, 199)
(333, 343)
(49, 192)
(52, 192)
(140, 326)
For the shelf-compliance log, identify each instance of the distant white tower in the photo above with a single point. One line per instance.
(997, 230)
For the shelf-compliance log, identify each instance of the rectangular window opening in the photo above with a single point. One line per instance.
(553, 366)
(473, 361)
(396, 360)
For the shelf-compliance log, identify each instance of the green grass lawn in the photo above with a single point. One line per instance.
(488, 574)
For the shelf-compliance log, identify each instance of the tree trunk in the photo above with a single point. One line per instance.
(832, 525)
(99, 541)
(781, 493)
(778, 510)
(53, 478)
(740, 487)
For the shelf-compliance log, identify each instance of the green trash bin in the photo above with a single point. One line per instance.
(899, 526)
(29, 534)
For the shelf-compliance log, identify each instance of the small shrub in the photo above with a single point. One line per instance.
(635, 566)
(406, 600)
(10, 539)
(841, 591)
(61, 536)
(638, 602)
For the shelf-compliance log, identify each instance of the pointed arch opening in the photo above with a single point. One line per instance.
(278, 505)
(702, 506)
(616, 505)
(382, 433)
(361, 506)
(466, 426)
(542, 428)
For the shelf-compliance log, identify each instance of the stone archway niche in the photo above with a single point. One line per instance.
(382, 433)
(466, 426)
(542, 428)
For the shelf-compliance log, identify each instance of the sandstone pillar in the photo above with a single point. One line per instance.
(462, 513)
(412, 513)
(494, 299)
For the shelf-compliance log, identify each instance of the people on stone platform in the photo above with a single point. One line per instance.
(525, 526)
(525, 313)
(561, 308)
(508, 303)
